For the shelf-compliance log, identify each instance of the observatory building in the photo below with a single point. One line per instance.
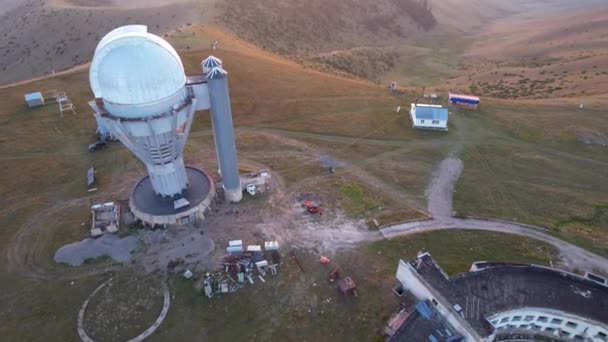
(144, 98)
(500, 302)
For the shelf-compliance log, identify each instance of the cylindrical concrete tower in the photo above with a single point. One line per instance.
(221, 119)
(140, 89)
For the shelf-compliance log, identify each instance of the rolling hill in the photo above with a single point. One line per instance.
(525, 58)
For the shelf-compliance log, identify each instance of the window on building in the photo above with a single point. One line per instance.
(494, 322)
(511, 326)
(505, 319)
(542, 319)
(571, 325)
(602, 336)
(529, 318)
(516, 318)
(549, 329)
(565, 334)
(524, 326)
(579, 338)
(436, 122)
(556, 321)
(535, 327)
(421, 121)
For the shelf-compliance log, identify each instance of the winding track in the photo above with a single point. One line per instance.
(440, 206)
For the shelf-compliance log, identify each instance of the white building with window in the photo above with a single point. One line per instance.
(428, 116)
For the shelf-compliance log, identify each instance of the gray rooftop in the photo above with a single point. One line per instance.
(421, 327)
(501, 287)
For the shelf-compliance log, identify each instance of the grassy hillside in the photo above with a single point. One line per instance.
(532, 58)
(294, 27)
(41, 37)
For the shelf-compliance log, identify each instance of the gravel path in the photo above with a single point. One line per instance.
(440, 191)
(572, 257)
(439, 196)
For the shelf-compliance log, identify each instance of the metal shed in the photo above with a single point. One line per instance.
(34, 99)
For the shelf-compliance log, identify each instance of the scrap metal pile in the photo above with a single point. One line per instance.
(241, 267)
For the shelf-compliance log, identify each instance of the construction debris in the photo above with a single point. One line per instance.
(235, 247)
(273, 269)
(188, 274)
(325, 260)
(256, 183)
(295, 258)
(347, 286)
(240, 266)
(271, 246)
(333, 275)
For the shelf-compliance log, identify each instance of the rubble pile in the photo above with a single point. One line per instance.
(241, 267)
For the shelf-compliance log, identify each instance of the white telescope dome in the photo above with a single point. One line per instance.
(134, 68)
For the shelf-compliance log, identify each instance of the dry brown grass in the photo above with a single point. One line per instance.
(538, 58)
(295, 27)
(38, 38)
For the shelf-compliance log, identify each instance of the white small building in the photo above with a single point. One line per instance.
(34, 99)
(428, 116)
(105, 218)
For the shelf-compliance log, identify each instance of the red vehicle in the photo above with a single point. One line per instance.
(312, 208)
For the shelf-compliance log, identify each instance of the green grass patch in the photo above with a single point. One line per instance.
(356, 201)
(98, 260)
(397, 215)
(455, 250)
(599, 218)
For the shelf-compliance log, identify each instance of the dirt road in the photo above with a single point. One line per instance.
(440, 191)
(439, 196)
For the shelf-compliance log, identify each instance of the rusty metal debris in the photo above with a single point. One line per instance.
(242, 265)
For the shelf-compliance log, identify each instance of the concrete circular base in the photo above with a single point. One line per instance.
(161, 317)
(153, 209)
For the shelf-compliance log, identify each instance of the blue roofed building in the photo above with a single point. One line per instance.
(427, 116)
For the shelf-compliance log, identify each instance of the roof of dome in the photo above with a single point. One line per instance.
(132, 66)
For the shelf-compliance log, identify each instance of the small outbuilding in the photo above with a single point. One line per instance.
(464, 101)
(34, 99)
(428, 116)
(105, 218)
